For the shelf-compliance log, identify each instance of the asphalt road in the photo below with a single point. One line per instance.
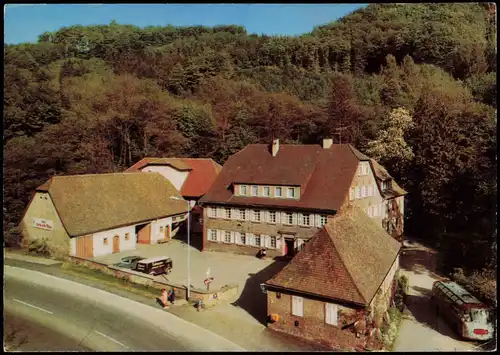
(93, 319)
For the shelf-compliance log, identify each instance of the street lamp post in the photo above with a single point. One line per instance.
(188, 294)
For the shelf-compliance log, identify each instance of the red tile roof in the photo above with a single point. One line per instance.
(347, 260)
(202, 172)
(323, 174)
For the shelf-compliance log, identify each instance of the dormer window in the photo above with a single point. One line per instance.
(278, 192)
(386, 184)
(243, 189)
(255, 190)
(291, 192)
(266, 191)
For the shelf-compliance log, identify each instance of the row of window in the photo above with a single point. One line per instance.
(330, 310)
(265, 191)
(288, 218)
(377, 211)
(358, 192)
(242, 238)
(105, 240)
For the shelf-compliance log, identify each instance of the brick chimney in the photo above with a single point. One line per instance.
(327, 143)
(275, 147)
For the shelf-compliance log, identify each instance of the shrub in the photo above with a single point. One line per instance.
(40, 246)
(390, 329)
(482, 283)
(12, 237)
(401, 292)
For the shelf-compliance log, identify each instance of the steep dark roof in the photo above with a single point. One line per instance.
(323, 174)
(381, 174)
(92, 203)
(347, 260)
(202, 172)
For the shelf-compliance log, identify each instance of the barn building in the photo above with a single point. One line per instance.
(98, 214)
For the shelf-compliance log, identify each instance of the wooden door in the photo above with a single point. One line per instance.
(84, 246)
(167, 232)
(144, 235)
(116, 244)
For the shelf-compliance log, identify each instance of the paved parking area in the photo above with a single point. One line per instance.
(225, 268)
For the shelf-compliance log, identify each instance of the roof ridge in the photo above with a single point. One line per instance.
(342, 261)
(101, 174)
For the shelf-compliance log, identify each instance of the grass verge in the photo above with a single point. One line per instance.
(108, 280)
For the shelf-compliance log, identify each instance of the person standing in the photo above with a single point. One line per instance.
(171, 296)
(164, 298)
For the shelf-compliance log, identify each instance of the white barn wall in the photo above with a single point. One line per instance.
(176, 177)
(72, 247)
(101, 249)
(155, 229)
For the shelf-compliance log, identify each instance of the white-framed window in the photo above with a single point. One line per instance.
(323, 220)
(243, 189)
(297, 306)
(370, 190)
(376, 210)
(228, 213)
(365, 188)
(257, 240)
(243, 238)
(266, 191)
(278, 192)
(385, 185)
(227, 237)
(351, 194)
(242, 214)
(213, 235)
(255, 191)
(358, 192)
(272, 217)
(256, 215)
(272, 240)
(288, 218)
(306, 219)
(291, 192)
(360, 169)
(331, 314)
(212, 212)
(370, 211)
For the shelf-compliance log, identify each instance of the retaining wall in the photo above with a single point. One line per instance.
(209, 298)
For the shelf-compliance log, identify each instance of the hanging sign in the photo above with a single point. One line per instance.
(43, 224)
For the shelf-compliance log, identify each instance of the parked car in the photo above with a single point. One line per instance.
(130, 262)
(470, 317)
(155, 266)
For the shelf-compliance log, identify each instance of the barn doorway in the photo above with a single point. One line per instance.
(116, 244)
(143, 233)
(84, 246)
(167, 232)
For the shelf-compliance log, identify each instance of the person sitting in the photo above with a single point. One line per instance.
(262, 253)
(171, 296)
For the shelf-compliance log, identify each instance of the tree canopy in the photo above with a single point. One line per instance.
(412, 84)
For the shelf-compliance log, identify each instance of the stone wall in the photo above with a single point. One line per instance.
(312, 325)
(209, 298)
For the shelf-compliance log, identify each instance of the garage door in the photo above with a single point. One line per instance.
(84, 246)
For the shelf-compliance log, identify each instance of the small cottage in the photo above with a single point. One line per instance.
(339, 286)
(98, 214)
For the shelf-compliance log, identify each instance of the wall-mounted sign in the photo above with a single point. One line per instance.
(43, 224)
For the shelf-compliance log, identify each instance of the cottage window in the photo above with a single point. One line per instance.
(351, 194)
(242, 214)
(105, 241)
(331, 312)
(243, 189)
(272, 217)
(213, 235)
(297, 306)
(323, 220)
(365, 193)
(243, 238)
(227, 237)
(212, 212)
(360, 169)
(291, 192)
(306, 219)
(257, 240)
(127, 236)
(358, 192)
(278, 295)
(255, 190)
(228, 213)
(256, 215)
(266, 191)
(273, 241)
(288, 218)
(277, 192)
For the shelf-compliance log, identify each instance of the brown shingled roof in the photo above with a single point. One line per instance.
(91, 203)
(382, 174)
(202, 172)
(323, 174)
(347, 260)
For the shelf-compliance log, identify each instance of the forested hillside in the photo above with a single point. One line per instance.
(413, 85)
